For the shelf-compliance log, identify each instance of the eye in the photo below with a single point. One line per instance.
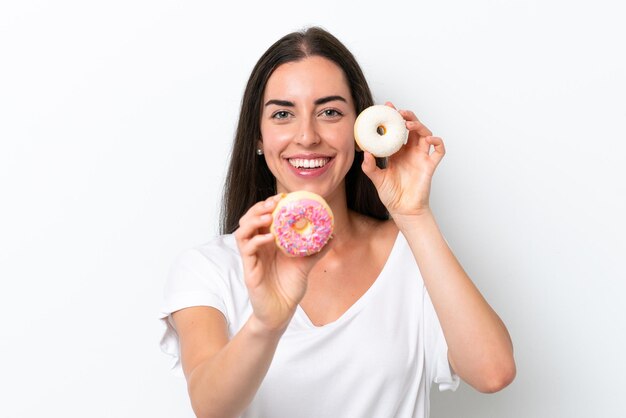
(331, 113)
(281, 114)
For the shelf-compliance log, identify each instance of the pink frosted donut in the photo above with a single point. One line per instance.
(302, 223)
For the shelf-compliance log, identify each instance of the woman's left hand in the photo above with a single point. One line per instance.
(404, 185)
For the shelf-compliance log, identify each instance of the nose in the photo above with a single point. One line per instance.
(307, 134)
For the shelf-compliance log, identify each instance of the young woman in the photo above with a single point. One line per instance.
(361, 329)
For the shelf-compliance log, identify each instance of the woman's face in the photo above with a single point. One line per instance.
(307, 127)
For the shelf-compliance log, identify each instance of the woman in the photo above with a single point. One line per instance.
(360, 329)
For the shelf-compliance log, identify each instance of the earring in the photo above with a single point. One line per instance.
(259, 151)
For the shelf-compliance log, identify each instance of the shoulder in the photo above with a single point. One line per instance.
(204, 275)
(221, 249)
(218, 255)
(218, 249)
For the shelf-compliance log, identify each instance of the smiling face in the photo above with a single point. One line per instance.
(307, 127)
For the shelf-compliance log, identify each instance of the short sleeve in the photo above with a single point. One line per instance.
(438, 367)
(193, 280)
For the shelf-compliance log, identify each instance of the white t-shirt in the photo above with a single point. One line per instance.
(378, 359)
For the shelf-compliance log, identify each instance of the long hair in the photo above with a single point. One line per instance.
(249, 180)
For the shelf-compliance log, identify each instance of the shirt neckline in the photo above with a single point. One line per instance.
(360, 302)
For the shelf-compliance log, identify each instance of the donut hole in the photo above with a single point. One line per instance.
(302, 225)
(381, 130)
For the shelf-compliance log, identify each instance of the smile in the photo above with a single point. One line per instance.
(308, 163)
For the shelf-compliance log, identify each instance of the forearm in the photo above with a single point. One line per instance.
(224, 385)
(479, 346)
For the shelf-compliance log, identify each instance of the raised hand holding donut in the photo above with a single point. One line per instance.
(404, 185)
(276, 282)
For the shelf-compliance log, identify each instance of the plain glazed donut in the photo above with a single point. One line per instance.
(380, 130)
(302, 223)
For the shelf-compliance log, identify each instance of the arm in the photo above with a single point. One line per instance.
(224, 375)
(479, 346)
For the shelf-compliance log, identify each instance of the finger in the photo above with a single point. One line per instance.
(371, 170)
(267, 205)
(258, 217)
(417, 130)
(253, 225)
(423, 145)
(439, 149)
(250, 259)
(407, 115)
(414, 124)
(253, 245)
(262, 207)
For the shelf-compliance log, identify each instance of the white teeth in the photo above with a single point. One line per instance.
(304, 163)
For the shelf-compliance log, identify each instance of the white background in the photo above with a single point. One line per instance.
(116, 120)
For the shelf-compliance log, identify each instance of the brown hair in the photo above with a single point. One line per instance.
(249, 180)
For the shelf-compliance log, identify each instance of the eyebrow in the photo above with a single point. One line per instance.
(327, 99)
(277, 102)
(318, 102)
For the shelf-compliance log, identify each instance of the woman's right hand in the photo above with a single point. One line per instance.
(276, 282)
